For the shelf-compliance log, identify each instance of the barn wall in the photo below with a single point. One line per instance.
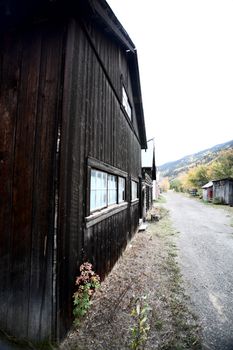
(93, 126)
(104, 241)
(30, 70)
(116, 59)
(56, 86)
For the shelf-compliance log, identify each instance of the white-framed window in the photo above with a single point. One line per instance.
(112, 189)
(106, 189)
(126, 103)
(134, 190)
(121, 189)
(99, 187)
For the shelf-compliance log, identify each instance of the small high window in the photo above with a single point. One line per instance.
(126, 103)
(134, 190)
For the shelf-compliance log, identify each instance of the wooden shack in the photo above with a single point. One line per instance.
(72, 130)
(207, 191)
(223, 191)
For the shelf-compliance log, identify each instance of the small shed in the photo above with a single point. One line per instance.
(223, 191)
(207, 191)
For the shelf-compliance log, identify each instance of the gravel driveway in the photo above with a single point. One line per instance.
(205, 247)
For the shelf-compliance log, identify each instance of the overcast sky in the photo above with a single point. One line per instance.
(185, 52)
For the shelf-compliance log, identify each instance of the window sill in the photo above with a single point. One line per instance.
(103, 214)
(135, 201)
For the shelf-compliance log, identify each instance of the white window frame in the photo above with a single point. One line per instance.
(108, 190)
(121, 189)
(126, 103)
(97, 187)
(134, 190)
(112, 189)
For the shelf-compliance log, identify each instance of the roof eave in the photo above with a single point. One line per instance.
(108, 18)
(137, 97)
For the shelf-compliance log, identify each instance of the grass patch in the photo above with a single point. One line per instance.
(179, 330)
(228, 209)
(161, 200)
(159, 325)
(173, 254)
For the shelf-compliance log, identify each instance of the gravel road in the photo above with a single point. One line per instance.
(205, 246)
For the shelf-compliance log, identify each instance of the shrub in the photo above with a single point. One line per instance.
(87, 283)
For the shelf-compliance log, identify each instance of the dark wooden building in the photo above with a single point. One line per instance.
(148, 177)
(223, 191)
(147, 191)
(72, 129)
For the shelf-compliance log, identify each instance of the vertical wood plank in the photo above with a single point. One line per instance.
(10, 53)
(41, 282)
(17, 317)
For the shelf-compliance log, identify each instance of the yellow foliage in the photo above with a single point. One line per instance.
(164, 184)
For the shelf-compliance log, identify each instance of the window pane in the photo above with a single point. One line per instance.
(125, 103)
(98, 198)
(112, 189)
(134, 190)
(121, 189)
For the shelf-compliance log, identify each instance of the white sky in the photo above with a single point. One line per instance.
(185, 52)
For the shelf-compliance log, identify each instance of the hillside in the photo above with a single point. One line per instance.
(173, 169)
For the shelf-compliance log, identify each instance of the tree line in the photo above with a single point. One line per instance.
(198, 176)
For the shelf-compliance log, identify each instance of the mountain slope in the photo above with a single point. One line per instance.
(173, 169)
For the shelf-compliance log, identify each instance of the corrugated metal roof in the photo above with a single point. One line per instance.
(224, 179)
(209, 184)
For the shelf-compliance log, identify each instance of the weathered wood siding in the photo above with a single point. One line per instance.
(223, 191)
(93, 125)
(104, 241)
(60, 104)
(116, 60)
(30, 71)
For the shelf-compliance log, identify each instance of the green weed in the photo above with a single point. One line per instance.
(87, 283)
(141, 328)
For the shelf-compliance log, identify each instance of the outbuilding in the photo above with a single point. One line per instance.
(72, 130)
(207, 191)
(223, 191)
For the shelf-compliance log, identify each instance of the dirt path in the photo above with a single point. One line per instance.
(205, 247)
(149, 268)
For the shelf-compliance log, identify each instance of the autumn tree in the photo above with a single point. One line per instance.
(180, 183)
(164, 184)
(223, 166)
(176, 185)
(183, 178)
(198, 176)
